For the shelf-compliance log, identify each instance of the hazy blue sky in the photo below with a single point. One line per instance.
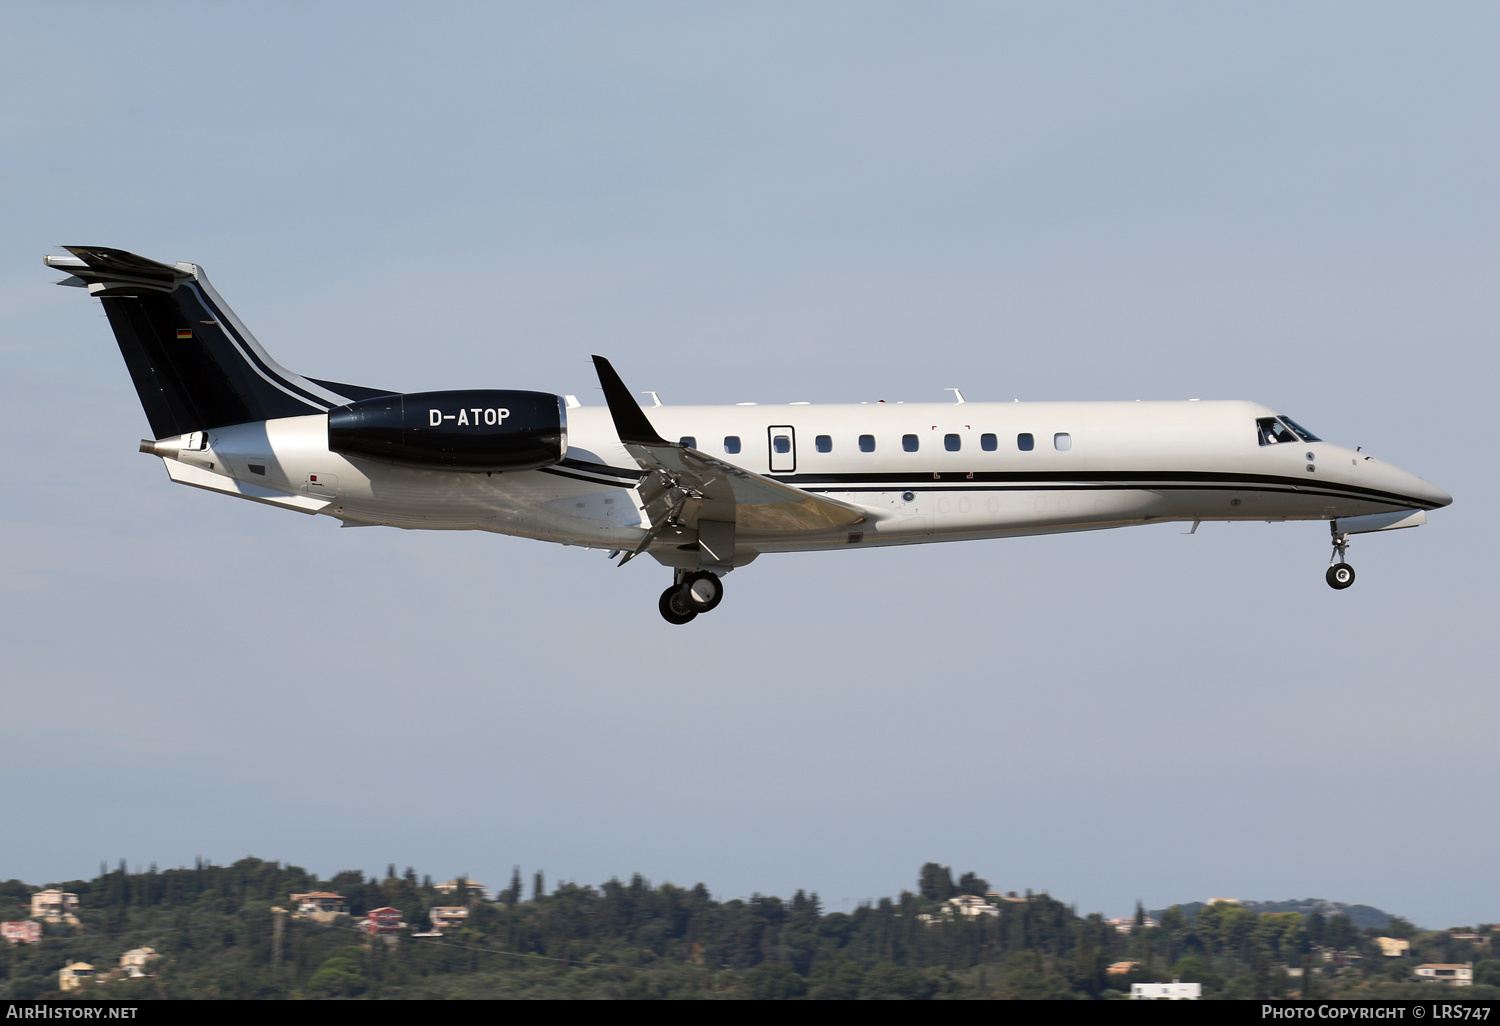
(1288, 202)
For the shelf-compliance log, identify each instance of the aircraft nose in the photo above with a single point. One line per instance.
(1422, 493)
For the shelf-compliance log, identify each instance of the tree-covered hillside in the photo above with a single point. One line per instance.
(1360, 915)
(215, 931)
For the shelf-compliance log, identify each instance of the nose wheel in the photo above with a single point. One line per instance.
(691, 594)
(1340, 574)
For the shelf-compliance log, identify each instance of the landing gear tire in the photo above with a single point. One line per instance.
(673, 608)
(702, 591)
(1340, 576)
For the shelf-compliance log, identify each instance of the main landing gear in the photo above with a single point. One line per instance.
(689, 595)
(1340, 574)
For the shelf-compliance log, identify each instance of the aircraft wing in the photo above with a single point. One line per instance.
(684, 487)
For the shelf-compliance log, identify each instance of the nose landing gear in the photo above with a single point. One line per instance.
(1340, 574)
(689, 595)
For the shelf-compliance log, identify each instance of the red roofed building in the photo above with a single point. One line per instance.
(24, 932)
(318, 901)
(382, 920)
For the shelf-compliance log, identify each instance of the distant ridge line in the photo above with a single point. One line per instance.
(1361, 915)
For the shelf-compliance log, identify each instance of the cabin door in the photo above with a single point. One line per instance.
(783, 442)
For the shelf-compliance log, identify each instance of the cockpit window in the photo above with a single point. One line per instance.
(1302, 432)
(1273, 431)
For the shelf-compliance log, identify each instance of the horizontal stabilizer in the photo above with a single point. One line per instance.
(194, 363)
(98, 263)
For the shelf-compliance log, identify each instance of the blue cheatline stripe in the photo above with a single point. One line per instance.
(1367, 495)
(1102, 480)
(995, 481)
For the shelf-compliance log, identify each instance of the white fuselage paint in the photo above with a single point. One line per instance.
(1126, 463)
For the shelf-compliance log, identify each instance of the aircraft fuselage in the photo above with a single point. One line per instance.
(1090, 465)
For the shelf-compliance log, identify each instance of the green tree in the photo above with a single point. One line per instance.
(417, 917)
(1399, 927)
(1190, 970)
(971, 883)
(773, 981)
(512, 894)
(837, 979)
(1263, 986)
(1316, 927)
(1340, 933)
(1309, 989)
(935, 882)
(887, 980)
(340, 975)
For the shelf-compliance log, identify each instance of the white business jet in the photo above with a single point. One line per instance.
(705, 489)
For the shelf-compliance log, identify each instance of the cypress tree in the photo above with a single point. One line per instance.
(1316, 926)
(935, 882)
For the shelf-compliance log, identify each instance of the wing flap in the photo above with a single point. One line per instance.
(759, 503)
(684, 485)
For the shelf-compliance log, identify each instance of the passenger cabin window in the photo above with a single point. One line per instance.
(909, 443)
(1062, 441)
(989, 443)
(824, 443)
(781, 443)
(1273, 431)
(689, 441)
(952, 443)
(731, 444)
(1025, 442)
(866, 443)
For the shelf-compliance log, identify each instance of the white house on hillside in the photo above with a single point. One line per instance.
(1173, 991)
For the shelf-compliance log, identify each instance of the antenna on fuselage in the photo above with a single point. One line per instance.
(958, 397)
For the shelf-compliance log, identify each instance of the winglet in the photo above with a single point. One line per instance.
(631, 422)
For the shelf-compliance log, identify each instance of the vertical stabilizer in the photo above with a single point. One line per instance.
(194, 364)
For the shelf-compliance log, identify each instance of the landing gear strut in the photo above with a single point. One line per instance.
(690, 594)
(1340, 574)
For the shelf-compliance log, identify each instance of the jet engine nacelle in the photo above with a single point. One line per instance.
(471, 429)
